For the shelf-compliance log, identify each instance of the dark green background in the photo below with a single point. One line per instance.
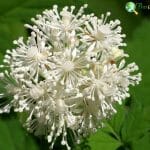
(129, 129)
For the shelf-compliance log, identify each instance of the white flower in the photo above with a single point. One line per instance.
(68, 74)
(57, 26)
(101, 35)
(64, 21)
(31, 58)
(68, 66)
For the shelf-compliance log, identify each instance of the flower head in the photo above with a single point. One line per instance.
(101, 35)
(68, 74)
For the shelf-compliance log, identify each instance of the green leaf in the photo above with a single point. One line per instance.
(142, 144)
(116, 122)
(102, 140)
(122, 130)
(14, 137)
(6, 142)
(134, 125)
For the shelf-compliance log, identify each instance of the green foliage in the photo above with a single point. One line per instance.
(124, 130)
(13, 136)
(102, 140)
(129, 128)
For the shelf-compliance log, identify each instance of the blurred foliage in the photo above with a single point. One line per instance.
(12, 135)
(129, 129)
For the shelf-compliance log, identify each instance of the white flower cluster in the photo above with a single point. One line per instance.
(68, 74)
